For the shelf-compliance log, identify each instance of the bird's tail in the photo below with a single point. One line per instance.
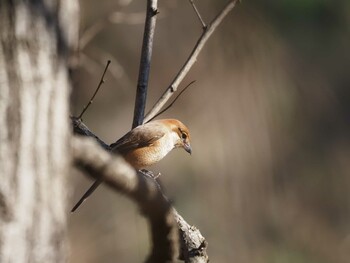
(87, 194)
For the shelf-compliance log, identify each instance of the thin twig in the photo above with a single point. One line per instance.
(198, 14)
(190, 60)
(145, 63)
(98, 87)
(172, 103)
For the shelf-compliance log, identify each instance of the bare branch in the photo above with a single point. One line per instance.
(98, 88)
(191, 60)
(198, 14)
(119, 175)
(145, 63)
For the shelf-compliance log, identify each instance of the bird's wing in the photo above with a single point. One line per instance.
(136, 139)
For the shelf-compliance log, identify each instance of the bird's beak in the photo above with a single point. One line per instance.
(188, 148)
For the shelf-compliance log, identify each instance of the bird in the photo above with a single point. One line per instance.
(146, 145)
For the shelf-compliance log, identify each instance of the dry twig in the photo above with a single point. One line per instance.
(198, 14)
(98, 88)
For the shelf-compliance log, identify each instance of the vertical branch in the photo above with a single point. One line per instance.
(145, 63)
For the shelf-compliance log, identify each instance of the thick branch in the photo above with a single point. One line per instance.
(119, 175)
(207, 32)
(145, 63)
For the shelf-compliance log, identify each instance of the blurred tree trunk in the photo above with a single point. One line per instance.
(35, 40)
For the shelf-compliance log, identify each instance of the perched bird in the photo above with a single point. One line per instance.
(146, 145)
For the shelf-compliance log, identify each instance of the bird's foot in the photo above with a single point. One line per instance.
(156, 176)
(149, 174)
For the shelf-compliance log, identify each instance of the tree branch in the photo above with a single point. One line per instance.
(145, 63)
(120, 176)
(98, 88)
(198, 14)
(207, 32)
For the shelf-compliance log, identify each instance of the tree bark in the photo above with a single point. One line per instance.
(35, 41)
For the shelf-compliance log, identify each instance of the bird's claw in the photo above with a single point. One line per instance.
(149, 174)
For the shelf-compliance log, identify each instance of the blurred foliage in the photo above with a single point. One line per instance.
(268, 180)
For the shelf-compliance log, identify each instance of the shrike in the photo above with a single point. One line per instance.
(146, 145)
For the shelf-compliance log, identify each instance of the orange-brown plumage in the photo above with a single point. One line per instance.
(147, 144)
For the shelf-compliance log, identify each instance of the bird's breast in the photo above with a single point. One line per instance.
(146, 156)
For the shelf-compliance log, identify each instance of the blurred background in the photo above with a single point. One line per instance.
(269, 177)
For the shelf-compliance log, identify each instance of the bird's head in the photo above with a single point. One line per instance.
(182, 134)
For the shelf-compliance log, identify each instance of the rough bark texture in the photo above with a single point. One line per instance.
(36, 37)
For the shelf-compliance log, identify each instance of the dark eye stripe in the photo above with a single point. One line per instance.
(183, 134)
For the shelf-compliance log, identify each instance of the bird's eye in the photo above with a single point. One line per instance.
(184, 136)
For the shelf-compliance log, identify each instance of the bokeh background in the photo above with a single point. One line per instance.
(269, 177)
